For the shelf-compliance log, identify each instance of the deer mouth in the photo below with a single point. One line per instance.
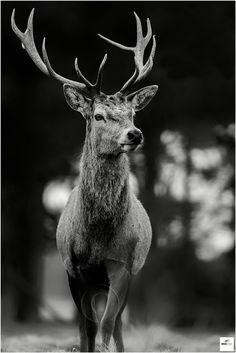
(127, 147)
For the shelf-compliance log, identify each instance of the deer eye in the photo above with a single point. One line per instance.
(99, 117)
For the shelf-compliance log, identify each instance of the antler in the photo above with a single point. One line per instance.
(27, 39)
(141, 69)
(96, 88)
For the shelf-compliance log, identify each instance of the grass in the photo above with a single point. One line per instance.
(58, 338)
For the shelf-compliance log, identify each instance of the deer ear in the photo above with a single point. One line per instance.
(142, 97)
(76, 99)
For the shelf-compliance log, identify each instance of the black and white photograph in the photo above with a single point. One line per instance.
(118, 176)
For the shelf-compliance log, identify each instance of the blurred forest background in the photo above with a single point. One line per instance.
(184, 174)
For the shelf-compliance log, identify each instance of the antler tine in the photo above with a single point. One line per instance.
(154, 44)
(141, 69)
(139, 31)
(100, 73)
(27, 39)
(149, 31)
(121, 46)
(80, 75)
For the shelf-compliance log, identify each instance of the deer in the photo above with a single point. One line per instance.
(104, 233)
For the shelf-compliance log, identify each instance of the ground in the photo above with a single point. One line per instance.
(63, 338)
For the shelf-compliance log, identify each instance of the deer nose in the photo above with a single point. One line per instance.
(135, 136)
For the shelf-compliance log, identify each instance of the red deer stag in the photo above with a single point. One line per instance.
(104, 233)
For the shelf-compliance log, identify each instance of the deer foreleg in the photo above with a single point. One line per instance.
(91, 321)
(111, 321)
(117, 333)
(77, 292)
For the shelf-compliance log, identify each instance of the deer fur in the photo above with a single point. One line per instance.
(103, 220)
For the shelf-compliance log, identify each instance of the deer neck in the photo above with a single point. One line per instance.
(104, 183)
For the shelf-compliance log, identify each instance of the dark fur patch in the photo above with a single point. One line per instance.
(112, 101)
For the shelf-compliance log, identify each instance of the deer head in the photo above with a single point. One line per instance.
(110, 118)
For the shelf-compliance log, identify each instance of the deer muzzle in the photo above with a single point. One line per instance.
(131, 139)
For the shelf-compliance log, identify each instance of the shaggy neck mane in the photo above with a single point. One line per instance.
(104, 186)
